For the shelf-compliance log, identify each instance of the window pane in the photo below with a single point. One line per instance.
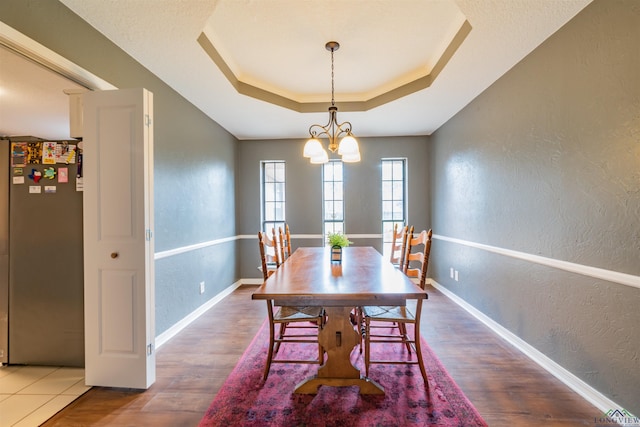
(387, 231)
(329, 227)
(279, 211)
(338, 210)
(398, 210)
(328, 210)
(279, 172)
(279, 191)
(269, 173)
(269, 193)
(398, 188)
(269, 211)
(328, 190)
(337, 171)
(387, 190)
(337, 191)
(328, 171)
(386, 170)
(334, 227)
(398, 170)
(387, 211)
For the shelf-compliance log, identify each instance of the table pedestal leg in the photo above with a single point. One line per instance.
(338, 338)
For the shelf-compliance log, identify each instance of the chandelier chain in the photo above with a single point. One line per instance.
(332, 89)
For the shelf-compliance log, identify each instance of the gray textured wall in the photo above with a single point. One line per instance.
(547, 162)
(363, 209)
(194, 160)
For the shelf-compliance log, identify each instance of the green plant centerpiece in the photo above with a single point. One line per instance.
(337, 241)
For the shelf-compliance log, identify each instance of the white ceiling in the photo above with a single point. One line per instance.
(278, 46)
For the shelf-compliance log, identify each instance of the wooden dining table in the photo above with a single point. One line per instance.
(363, 278)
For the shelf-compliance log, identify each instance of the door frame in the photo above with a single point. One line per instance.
(44, 56)
(25, 46)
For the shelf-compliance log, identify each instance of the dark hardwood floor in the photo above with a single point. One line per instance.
(506, 387)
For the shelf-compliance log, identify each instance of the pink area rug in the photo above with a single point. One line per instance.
(245, 400)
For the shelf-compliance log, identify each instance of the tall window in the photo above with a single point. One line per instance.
(333, 197)
(394, 183)
(273, 200)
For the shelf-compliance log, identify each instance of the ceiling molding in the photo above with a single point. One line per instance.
(394, 94)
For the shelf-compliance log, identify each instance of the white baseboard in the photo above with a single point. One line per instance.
(590, 394)
(183, 323)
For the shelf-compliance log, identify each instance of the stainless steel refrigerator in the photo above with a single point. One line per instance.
(41, 274)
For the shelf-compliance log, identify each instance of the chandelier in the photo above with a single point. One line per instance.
(347, 147)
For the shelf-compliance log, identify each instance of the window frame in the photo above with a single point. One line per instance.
(279, 196)
(388, 224)
(341, 222)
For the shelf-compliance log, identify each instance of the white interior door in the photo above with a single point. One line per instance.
(118, 248)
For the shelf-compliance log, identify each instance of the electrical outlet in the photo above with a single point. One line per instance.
(456, 275)
(201, 287)
(451, 272)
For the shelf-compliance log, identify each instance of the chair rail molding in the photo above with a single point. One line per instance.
(202, 245)
(585, 270)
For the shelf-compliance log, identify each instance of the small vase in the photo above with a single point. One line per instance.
(336, 254)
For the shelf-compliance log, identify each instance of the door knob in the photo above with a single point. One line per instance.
(114, 255)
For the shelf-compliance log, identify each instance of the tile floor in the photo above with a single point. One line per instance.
(30, 395)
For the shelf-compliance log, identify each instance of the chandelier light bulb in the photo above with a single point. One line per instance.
(320, 158)
(351, 158)
(312, 148)
(348, 145)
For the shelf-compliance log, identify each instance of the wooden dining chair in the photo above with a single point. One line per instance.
(268, 253)
(285, 242)
(398, 245)
(415, 265)
(296, 324)
(398, 252)
(398, 248)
